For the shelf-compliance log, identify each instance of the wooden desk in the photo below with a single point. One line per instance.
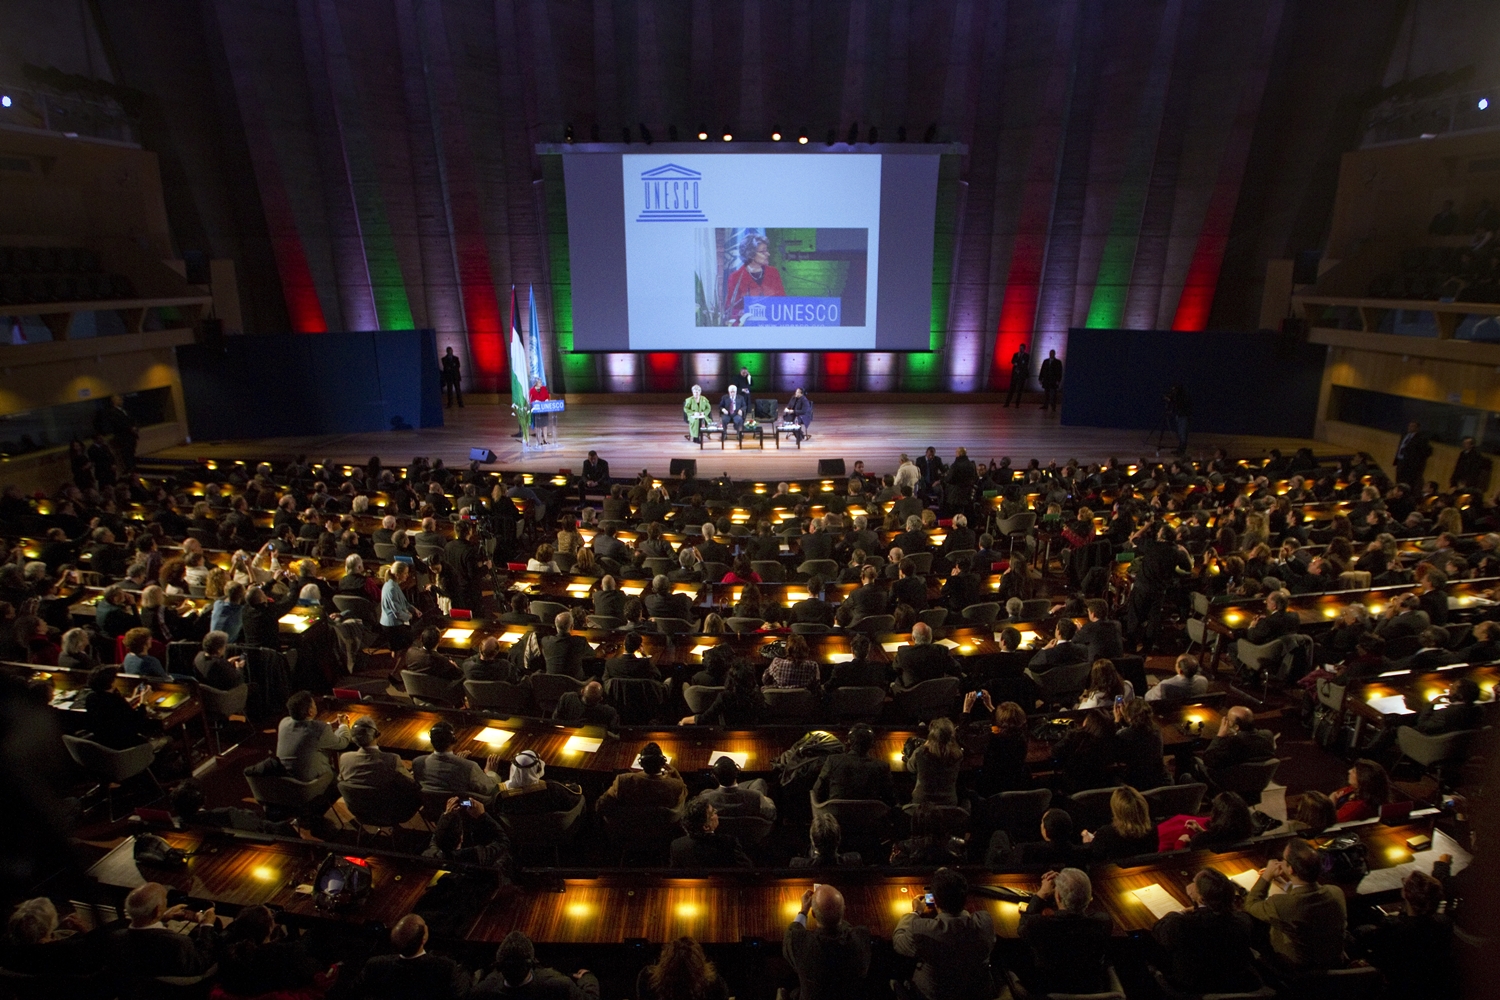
(171, 703)
(1364, 701)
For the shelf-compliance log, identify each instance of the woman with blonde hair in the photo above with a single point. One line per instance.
(215, 583)
(936, 763)
(1129, 832)
(584, 563)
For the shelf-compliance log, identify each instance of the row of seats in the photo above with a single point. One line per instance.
(18, 289)
(48, 260)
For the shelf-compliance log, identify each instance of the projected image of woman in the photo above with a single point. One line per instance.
(755, 277)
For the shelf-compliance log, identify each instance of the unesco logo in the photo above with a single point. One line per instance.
(671, 194)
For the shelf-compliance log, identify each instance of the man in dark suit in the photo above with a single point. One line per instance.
(931, 467)
(913, 539)
(411, 972)
(1238, 742)
(1051, 377)
(710, 549)
(662, 603)
(489, 664)
(452, 378)
(907, 506)
(145, 948)
(831, 962)
(817, 543)
(1067, 945)
(962, 588)
(466, 561)
(1453, 712)
(1403, 616)
(869, 598)
(609, 599)
(1411, 457)
(855, 775)
(631, 664)
(910, 588)
(1020, 371)
(517, 976)
(565, 652)
(1470, 468)
(960, 536)
(1061, 651)
(952, 945)
(1100, 636)
(595, 477)
(922, 660)
(814, 610)
(1275, 623)
(1433, 598)
(587, 708)
(733, 406)
(704, 846)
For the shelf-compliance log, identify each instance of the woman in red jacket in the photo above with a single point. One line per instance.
(1369, 788)
(756, 277)
(541, 422)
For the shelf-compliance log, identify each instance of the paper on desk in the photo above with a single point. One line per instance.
(1158, 900)
(458, 634)
(1390, 879)
(840, 657)
(740, 758)
(1246, 879)
(635, 765)
(699, 650)
(891, 647)
(510, 637)
(1391, 705)
(947, 642)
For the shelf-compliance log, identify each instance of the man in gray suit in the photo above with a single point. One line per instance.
(734, 799)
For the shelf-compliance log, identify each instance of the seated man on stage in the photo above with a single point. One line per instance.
(697, 410)
(732, 410)
(798, 410)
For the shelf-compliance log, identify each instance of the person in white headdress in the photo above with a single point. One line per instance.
(527, 791)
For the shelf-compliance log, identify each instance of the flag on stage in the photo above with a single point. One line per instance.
(520, 399)
(538, 369)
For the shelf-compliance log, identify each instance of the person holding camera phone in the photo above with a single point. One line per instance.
(951, 944)
(832, 960)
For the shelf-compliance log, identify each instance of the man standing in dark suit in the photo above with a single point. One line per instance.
(452, 379)
(1469, 469)
(855, 775)
(923, 660)
(1020, 371)
(1050, 377)
(411, 972)
(1411, 456)
(595, 478)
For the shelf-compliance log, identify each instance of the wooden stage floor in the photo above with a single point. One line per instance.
(635, 436)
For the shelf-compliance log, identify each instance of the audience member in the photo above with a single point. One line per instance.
(832, 961)
(1306, 920)
(1068, 944)
(951, 944)
(302, 739)
(1208, 945)
(702, 845)
(411, 971)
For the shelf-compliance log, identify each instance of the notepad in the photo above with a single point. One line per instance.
(458, 634)
(891, 647)
(584, 744)
(840, 657)
(509, 637)
(699, 650)
(1158, 900)
(740, 759)
(1246, 879)
(297, 622)
(492, 736)
(947, 642)
(1393, 704)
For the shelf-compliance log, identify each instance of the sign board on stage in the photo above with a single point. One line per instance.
(547, 406)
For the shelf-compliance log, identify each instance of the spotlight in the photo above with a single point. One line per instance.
(776, 135)
(568, 135)
(594, 132)
(802, 138)
(672, 133)
(832, 137)
(646, 136)
(1484, 103)
(625, 134)
(900, 133)
(4, 100)
(931, 134)
(874, 135)
(727, 134)
(702, 134)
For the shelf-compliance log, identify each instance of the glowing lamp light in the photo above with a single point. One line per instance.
(261, 873)
(702, 136)
(579, 911)
(791, 908)
(900, 906)
(493, 737)
(582, 744)
(1433, 694)
(775, 136)
(1396, 853)
(1330, 612)
(1234, 618)
(802, 140)
(1196, 720)
(5, 102)
(1484, 103)
(896, 757)
(688, 911)
(728, 137)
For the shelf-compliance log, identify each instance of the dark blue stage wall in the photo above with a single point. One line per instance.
(332, 383)
(1238, 383)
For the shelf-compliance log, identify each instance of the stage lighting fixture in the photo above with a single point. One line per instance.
(625, 134)
(931, 134)
(568, 135)
(1484, 103)
(900, 133)
(802, 138)
(853, 134)
(4, 100)
(832, 137)
(594, 133)
(702, 134)
(874, 135)
(728, 135)
(776, 135)
(646, 136)
(672, 133)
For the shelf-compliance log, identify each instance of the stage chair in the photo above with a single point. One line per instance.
(1247, 780)
(1090, 808)
(358, 607)
(219, 705)
(376, 809)
(547, 611)
(431, 692)
(546, 831)
(548, 690)
(984, 613)
(1018, 813)
(923, 561)
(812, 628)
(826, 568)
(1175, 800)
(873, 625)
(1432, 752)
(741, 625)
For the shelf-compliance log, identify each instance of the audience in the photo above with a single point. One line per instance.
(1306, 920)
(1067, 943)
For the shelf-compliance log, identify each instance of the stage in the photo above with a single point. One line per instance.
(636, 436)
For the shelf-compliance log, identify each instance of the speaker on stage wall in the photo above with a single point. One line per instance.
(830, 466)
(481, 455)
(688, 465)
